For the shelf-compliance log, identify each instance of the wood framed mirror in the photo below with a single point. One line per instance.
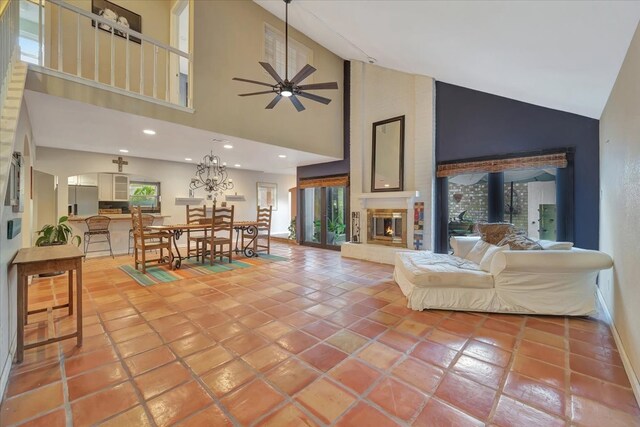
(387, 155)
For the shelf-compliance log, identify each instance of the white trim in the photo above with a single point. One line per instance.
(633, 378)
(105, 86)
(6, 366)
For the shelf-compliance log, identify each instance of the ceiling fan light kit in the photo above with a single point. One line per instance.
(286, 88)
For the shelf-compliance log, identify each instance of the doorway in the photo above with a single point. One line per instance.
(324, 213)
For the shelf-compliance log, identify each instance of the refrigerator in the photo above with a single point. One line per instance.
(83, 200)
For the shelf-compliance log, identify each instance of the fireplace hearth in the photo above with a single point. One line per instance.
(387, 227)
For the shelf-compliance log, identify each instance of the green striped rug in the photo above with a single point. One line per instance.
(190, 269)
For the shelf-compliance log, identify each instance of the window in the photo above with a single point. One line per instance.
(146, 195)
(29, 30)
(299, 54)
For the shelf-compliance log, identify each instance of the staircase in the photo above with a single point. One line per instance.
(13, 75)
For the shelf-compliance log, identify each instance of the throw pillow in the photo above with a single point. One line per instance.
(477, 252)
(494, 232)
(520, 242)
(485, 263)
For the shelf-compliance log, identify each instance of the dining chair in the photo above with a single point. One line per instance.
(97, 226)
(145, 240)
(263, 220)
(147, 221)
(221, 233)
(195, 216)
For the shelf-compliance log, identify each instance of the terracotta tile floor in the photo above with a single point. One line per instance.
(319, 340)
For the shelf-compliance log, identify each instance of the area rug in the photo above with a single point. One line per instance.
(191, 269)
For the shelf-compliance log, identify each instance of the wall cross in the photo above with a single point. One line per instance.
(120, 162)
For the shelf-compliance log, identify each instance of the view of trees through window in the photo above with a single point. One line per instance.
(145, 194)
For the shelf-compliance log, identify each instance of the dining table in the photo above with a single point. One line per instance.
(249, 228)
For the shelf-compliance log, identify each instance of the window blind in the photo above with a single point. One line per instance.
(331, 181)
(299, 54)
(558, 160)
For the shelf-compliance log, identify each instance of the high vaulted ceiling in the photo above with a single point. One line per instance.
(558, 54)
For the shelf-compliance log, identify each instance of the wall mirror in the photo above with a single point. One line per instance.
(387, 162)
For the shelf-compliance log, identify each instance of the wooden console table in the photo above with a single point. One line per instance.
(48, 259)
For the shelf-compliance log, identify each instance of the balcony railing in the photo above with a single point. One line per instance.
(79, 45)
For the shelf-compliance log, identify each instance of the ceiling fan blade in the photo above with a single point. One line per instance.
(273, 102)
(252, 81)
(296, 103)
(306, 71)
(318, 86)
(313, 97)
(271, 71)
(256, 93)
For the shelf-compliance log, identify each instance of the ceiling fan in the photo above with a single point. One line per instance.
(291, 89)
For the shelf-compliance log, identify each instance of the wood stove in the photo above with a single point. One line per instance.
(387, 227)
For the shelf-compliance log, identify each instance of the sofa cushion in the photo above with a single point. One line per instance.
(426, 269)
(494, 232)
(477, 252)
(485, 263)
(520, 242)
(549, 245)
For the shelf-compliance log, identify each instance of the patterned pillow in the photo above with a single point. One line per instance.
(494, 232)
(520, 242)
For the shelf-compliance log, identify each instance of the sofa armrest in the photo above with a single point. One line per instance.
(550, 262)
(461, 245)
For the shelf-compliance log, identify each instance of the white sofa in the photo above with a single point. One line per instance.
(555, 282)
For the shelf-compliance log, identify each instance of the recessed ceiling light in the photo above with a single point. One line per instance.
(224, 163)
(149, 132)
(188, 159)
(386, 185)
(237, 165)
(124, 151)
(228, 146)
(282, 156)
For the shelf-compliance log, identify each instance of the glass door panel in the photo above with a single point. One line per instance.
(312, 211)
(335, 213)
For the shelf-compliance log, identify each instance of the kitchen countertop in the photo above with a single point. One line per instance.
(114, 217)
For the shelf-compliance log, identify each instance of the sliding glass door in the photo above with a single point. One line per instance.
(324, 212)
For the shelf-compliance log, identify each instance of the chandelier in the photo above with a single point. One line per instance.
(211, 175)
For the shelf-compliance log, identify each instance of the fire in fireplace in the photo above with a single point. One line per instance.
(387, 226)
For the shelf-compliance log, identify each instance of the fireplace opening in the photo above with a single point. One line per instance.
(387, 226)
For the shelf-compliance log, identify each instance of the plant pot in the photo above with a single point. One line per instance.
(331, 236)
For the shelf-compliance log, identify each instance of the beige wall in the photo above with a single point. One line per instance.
(8, 248)
(174, 178)
(228, 42)
(620, 203)
(377, 94)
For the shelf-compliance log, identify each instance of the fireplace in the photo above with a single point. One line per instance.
(387, 227)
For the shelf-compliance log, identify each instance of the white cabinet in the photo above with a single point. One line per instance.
(90, 179)
(105, 186)
(120, 188)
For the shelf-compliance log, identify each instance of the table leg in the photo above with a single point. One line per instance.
(26, 301)
(22, 283)
(79, 302)
(238, 229)
(70, 292)
(248, 250)
(176, 236)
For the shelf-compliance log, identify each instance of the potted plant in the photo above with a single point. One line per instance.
(59, 234)
(335, 227)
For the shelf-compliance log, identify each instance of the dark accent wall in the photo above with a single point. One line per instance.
(338, 167)
(473, 124)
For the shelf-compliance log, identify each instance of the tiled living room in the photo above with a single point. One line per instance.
(319, 213)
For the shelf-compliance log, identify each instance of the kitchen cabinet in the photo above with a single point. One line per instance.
(120, 188)
(105, 187)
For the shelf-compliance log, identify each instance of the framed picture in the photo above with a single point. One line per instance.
(267, 195)
(15, 185)
(117, 14)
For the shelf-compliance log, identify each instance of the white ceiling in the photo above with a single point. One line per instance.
(62, 123)
(559, 54)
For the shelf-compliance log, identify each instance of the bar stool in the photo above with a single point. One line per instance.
(147, 221)
(97, 225)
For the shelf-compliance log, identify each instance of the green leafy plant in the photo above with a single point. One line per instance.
(59, 234)
(292, 229)
(336, 226)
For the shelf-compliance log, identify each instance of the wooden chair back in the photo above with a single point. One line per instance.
(222, 222)
(195, 214)
(263, 218)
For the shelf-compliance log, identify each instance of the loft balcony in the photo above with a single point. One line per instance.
(105, 51)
